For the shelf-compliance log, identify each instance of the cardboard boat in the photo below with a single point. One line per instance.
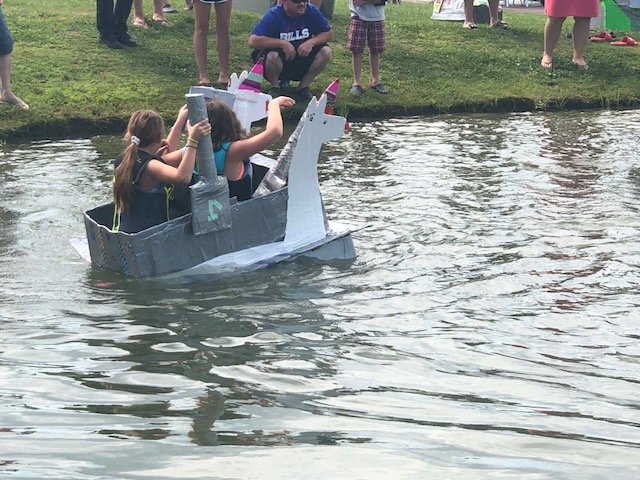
(283, 220)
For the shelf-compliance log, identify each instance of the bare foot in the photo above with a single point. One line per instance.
(580, 63)
(11, 99)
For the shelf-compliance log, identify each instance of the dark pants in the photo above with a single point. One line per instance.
(112, 21)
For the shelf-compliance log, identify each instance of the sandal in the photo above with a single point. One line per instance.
(140, 23)
(581, 65)
(162, 23)
(469, 26)
(380, 88)
(501, 24)
(546, 65)
(356, 91)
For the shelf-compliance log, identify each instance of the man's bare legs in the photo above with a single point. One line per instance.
(6, 95)
(319, 62)
(273, 68)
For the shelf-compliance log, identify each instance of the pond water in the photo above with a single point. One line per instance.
(488, 328)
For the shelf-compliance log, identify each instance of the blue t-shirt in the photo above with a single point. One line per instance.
(277, 24)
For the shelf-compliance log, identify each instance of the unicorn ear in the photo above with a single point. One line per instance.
(234, 82)
(319, 105)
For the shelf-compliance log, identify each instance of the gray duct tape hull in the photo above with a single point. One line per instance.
(172, 246)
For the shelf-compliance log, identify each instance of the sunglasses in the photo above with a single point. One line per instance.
(298, 2)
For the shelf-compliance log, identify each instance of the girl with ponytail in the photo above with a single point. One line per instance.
(146, 171)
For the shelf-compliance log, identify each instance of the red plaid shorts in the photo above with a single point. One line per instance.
(361, 31)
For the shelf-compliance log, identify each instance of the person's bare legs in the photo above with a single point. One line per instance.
(223, 21)
(374, 62)
(468, 15)
(580, 35)
(138, 14)
(273, 68)
(202, 13)
(319, 63)
(6, 95)
(552, 31)
(357, 68)
(494, 18)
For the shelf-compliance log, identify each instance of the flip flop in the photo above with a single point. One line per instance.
(139, 23)
(602, 37)
(470, 26)
(626, 41)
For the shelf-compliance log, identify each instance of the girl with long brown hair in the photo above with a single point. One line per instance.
(233, 146)
(146, 172)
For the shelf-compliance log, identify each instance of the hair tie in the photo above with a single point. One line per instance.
(135, 140)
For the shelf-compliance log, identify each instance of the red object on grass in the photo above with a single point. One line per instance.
(626, 41)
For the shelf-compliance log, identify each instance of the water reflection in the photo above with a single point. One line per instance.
(487, 328)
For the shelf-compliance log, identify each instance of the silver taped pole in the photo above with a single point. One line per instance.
(204, 158)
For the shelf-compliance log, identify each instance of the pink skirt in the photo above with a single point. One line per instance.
(572, 8)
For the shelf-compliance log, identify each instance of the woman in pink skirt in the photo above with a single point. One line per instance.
(557, 11)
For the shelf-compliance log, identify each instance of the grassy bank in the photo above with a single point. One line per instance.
(77, 87)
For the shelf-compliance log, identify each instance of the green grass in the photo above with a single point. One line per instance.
(77, 87)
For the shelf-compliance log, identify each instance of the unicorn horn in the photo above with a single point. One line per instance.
(254, 77)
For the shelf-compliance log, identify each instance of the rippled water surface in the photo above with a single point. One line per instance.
(488, 328)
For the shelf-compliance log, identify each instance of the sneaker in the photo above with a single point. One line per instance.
(303, 94)
(356, 91)
(275, 92)
(284, 84)
(168, 8)
(380, 88)
(126, 40)
(111, 42)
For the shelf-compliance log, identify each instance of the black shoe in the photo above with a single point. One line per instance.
(304, 95)
(275, 92)
(126, 40)
(111, 42)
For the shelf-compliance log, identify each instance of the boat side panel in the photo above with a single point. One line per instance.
(171, 246)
